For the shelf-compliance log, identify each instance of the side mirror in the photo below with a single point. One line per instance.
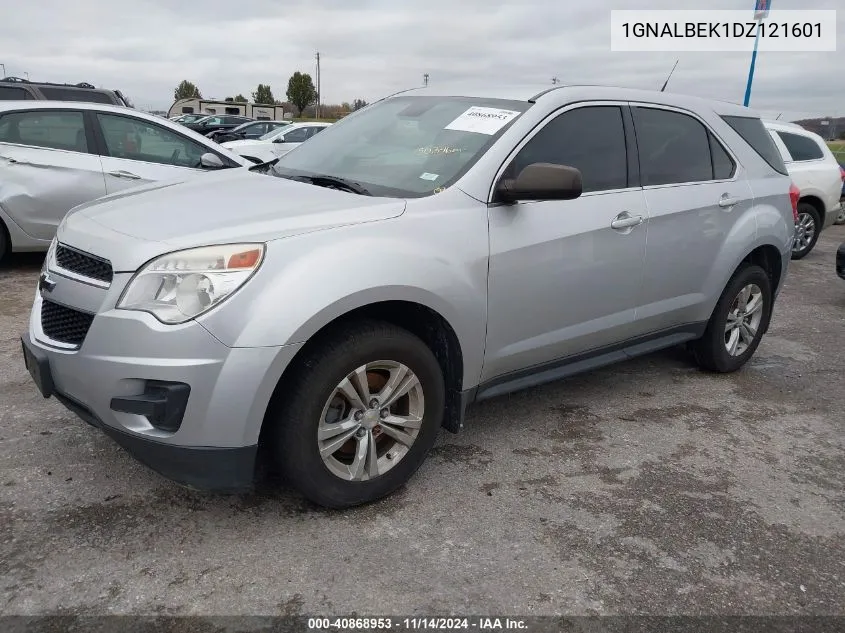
(211, 161)
(541, 181)
(279, 139)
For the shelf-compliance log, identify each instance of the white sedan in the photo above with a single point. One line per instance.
(276, 143)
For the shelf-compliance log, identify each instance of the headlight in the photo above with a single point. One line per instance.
(179, 286)
(51, 253)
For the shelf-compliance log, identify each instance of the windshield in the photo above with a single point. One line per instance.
(192, 118)
(404, 146)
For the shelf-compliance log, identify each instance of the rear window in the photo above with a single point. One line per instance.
(755, 134)
(69, 94)
(9, 93)
(800, 147)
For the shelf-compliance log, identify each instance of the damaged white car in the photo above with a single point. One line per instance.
(56, 155)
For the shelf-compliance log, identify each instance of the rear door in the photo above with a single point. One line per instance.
(48, 165)
(694, 197)
(137, 151)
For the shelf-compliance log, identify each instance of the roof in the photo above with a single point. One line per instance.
(534, 92)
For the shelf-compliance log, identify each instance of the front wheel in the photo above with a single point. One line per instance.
(738, 322)
(359, 415)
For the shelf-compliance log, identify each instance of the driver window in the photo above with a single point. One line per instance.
(591, 139)
(140, 140)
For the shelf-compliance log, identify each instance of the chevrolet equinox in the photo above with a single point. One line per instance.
(426, 252)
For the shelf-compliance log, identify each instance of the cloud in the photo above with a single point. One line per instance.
(370, 48)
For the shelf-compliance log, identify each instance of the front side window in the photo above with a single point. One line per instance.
(135, 139)
(674, 147)
(801, 148)
(591, 139)
(54, 129)
(407, 146)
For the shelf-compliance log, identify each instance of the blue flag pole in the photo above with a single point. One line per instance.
(761, 11)
(753, 64)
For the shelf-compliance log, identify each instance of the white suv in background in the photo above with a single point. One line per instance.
(815, 171)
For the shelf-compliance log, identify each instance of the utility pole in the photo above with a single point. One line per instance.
(317, 109)
(4, 69)
(27, 75)
(425, 80)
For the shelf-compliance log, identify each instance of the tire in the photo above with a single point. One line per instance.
(808, 219)
(711, 350)
(311, 401)
(5, 242)
(840, 219)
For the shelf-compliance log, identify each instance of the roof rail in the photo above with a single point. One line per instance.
(84, 85)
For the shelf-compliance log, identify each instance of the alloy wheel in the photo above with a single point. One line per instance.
(744, 319)
(805, 230)
(370, 420)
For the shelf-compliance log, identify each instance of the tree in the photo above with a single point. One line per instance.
(229, 99)
(241, 99)
(263, 94)
(301, 91)
(186, 90)
(358, 104)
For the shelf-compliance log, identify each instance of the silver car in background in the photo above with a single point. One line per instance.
(55, 155)
(426, 252)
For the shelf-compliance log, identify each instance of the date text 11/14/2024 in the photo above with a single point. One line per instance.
(415, 624)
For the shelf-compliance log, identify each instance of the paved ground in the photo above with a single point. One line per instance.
(649, 487)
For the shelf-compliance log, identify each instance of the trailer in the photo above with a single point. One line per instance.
(259, 111)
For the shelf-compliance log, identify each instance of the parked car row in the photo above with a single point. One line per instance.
(275, 143)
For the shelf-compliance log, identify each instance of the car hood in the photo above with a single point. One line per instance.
(132, 226)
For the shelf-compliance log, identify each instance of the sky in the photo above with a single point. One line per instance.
(371, 48)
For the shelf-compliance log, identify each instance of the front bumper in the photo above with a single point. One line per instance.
(205, 433)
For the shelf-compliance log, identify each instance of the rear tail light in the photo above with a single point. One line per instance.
(794, 195)
(842, 172)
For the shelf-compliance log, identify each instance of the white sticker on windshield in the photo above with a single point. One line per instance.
(428, 176)
(482, 120)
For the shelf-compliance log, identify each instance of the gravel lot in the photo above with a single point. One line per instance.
(648, 487)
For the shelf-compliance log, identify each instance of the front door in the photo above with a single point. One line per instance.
(138, 152)
(565, 276)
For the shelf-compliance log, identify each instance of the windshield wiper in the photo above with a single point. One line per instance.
(322, 180)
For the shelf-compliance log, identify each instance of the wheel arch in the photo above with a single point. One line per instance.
(421, 320)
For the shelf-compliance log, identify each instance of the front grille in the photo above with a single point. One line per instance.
(83, 264)
(63, 324)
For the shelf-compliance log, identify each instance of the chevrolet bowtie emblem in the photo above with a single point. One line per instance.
(45, 282)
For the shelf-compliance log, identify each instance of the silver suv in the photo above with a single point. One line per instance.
(426, 252)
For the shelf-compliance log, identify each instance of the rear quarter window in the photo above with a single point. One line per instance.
(13, 93)
(753, 132)
(70, 94)
(801, 148)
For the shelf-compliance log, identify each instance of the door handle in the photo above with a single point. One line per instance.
(124, 174)
(626, 221)
(11, 160)
(726, 202)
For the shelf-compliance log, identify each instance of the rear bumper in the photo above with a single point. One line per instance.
(832, 213)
